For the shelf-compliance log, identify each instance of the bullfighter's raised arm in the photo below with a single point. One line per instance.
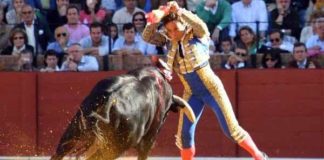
(151, 35)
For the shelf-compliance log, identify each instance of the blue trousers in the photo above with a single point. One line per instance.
(202, 87)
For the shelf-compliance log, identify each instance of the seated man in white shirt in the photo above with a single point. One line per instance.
(96, 43)
(276, 40)
(125, 14)
(77, 61)
(248, 13)
(129, 44)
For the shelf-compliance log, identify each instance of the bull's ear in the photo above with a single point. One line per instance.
(185, 107)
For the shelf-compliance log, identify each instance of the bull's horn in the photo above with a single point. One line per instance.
(186, 108)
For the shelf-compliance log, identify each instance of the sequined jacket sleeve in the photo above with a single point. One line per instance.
(152, 35)
(192, 20)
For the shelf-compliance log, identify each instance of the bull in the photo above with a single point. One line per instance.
(121, 112)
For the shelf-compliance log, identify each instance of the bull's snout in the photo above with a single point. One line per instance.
(185, 107)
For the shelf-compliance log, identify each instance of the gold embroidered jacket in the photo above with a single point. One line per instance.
(194, 44)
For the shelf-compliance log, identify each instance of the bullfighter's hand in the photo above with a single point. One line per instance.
(173, 6)
(156, 15)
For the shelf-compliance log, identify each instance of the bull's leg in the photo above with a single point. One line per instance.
(144, 150)
(145, 147)
(73, 135)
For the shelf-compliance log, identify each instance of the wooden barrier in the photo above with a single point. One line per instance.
(18, 128)
(282, 110)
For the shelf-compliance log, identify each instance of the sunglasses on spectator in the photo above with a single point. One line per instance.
(275, 40)
(15, 38)
(61, 34)
(139, 19)
(27, 12)
(240, 54)
(271, 59)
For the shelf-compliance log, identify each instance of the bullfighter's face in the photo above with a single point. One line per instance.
(175, 30)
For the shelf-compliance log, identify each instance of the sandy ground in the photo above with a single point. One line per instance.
(162, 158)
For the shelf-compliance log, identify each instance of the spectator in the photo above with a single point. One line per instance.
(238, 60)
(119, 4)
(5, 4)
(309, 30)
(315, 44)
(301, 7)
(251, 12)
(43, 5)
(112, 32)
(50, 62)
(217, 15)
(61, 44)
(76, 30)
(139, 21)
(92, 12)
(300, 59)
(276, 38)
(57, 17)
(18, 39)
(130, 44)
(249, 40)
(13, 16)
(147, 5)
(271, 59)
(285, 19)
(37, 32)
(77, 61)
(125, 14)
(4, 31)
(226, 46)
(193, 4)
(233, 62)
(97, 42)
(25, 62)
(110, 7)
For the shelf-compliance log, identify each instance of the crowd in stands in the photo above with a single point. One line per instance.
(70, 35)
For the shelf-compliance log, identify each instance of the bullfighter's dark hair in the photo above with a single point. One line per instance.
(169, 18)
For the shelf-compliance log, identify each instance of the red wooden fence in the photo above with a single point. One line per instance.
(283, 110)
